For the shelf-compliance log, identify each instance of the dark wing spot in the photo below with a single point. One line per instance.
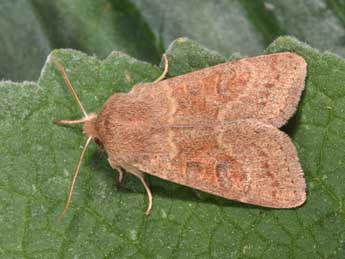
(193, 168)
(222, 168)
(269, 85)
(193, 89)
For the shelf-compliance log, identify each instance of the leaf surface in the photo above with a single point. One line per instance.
(38, 159)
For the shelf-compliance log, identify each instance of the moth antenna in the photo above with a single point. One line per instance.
(75, 174)
(69, 85)
(166, 66)
(82, 120)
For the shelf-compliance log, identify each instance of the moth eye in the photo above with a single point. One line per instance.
(98, 142)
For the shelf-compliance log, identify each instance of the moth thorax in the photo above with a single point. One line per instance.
(90, 126)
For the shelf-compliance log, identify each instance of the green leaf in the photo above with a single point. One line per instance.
(186, 56)
(38, 158)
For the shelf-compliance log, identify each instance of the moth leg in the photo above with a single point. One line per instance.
(149, 194)
(166, 66)
(141, 176)
(121, 175)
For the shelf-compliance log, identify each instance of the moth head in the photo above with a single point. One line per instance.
(89, 127)
(90, 130)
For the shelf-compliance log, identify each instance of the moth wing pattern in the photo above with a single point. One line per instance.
(267, 88)
(245, 160)
(214, 130)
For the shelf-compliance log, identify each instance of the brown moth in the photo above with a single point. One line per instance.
(215, 130)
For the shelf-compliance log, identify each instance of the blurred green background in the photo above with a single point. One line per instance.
(30, 29)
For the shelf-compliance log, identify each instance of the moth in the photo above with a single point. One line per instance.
(215, 130)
